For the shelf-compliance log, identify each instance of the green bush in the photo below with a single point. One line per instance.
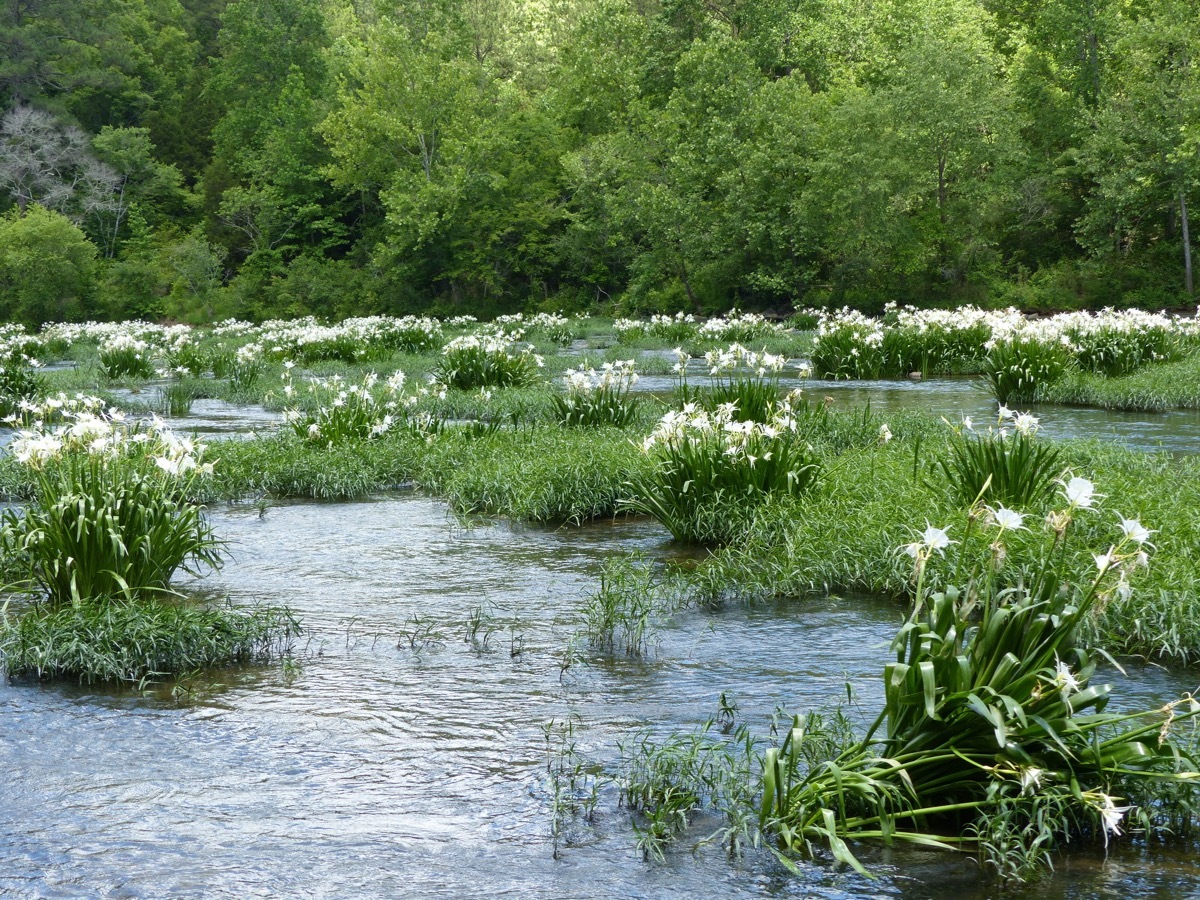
(47, 268)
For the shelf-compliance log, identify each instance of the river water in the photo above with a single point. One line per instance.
(380, 770)
(1175, 431)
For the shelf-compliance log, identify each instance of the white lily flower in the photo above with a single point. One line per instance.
(1008, 519)
(1135, 530)
(1080, 492)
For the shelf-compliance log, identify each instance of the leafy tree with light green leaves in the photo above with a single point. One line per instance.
(47, 268)
(1142, 154)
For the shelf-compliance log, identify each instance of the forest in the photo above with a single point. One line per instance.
(193, 160)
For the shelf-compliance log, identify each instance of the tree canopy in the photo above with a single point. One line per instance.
(337, 156)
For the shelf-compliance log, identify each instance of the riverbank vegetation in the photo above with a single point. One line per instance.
(1021, 561)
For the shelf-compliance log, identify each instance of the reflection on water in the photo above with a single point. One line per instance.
(380, 771)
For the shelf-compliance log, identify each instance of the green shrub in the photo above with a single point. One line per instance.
(47, 268)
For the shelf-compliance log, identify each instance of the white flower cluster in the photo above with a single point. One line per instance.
(62, 425)
(976, 331)
(553, 326)
(739, 440)
(735, 356)
(613, 377)
(365, 410)
(738, 326)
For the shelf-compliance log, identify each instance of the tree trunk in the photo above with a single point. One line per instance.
(1187, 244)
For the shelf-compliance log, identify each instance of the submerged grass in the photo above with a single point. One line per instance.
(135, 641)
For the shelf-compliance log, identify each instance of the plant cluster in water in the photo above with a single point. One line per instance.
(111, 519)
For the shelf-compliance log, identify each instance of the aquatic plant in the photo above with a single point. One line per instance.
(487, 360)
(178, 396)
(573, 781)
(678, 328)
(1005, 464)
(849, 345)
(553, 327)
(738, 327)
(594, 399)
(118, 639)
(125, 356)
(111, 512)
(1017, 368)
(19, 380)
(622, 615)
(341, 413)
(665, 782)
(702, 459)
(992, 734)
(245, 367)
(740, 379)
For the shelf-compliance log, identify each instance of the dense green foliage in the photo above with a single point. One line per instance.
(203, 158)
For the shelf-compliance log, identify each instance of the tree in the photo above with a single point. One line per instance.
(155, 188)
(914, 169)
(1142, 154)
(47, 162)
(47, 267)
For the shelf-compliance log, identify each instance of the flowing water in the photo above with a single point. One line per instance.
(1176, 431)
(403, 760)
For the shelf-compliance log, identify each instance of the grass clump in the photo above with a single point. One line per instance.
(622, 616)
(705, 462)
(992, 733)
(111, 512)
(1020, 367)
(1162, 386)
(487, 360)
(117, 639)
(1005, 465)
(598, 399)
(538, 474)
